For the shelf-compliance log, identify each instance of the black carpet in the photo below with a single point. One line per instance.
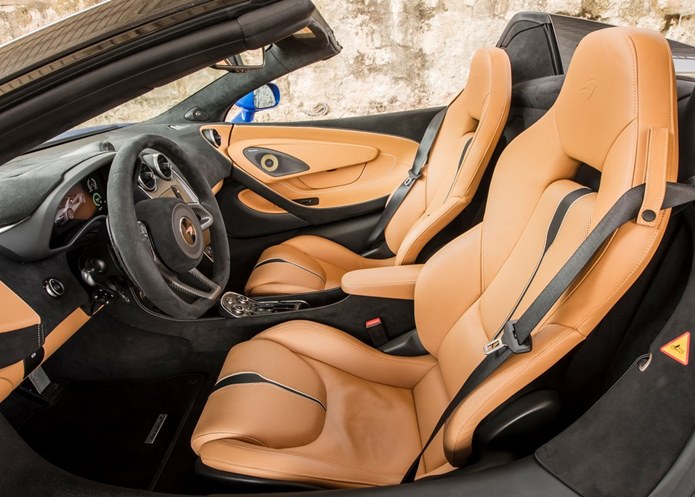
(629, 439)
(98, 430)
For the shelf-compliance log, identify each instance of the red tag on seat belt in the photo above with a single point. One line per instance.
(372, 322)
(376, 332)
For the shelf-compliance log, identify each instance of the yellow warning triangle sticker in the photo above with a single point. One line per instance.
(678, 349)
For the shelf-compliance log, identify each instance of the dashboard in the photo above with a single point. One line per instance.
(78, 206)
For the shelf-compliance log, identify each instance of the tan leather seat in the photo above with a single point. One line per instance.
(309, 263)
(307, 403)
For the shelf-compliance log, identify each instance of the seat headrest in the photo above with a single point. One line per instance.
(606, 89)
(480, 77)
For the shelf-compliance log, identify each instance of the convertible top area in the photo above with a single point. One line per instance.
(101, 28)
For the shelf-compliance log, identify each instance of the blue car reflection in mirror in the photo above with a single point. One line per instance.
(263, 98)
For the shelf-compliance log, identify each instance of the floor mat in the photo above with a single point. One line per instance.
(107, 432)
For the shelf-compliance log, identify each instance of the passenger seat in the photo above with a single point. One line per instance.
(467, 138)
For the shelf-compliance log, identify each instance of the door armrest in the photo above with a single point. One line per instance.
(392, 282)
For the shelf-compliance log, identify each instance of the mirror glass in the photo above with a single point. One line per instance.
(264, 98)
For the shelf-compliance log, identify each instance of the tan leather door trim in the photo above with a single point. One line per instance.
(319, 155)
(254, 201)
(346, 167)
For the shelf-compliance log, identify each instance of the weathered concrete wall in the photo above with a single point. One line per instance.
(397, 54)
(404, 54)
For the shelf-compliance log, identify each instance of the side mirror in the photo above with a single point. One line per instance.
(263, 98)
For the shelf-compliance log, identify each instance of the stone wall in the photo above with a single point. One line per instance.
(397, 54)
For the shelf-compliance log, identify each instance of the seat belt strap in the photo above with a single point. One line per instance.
(515, 337)
(421, 158)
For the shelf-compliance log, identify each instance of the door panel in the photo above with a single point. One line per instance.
(339, 168)
(256, 216)
(319, 154)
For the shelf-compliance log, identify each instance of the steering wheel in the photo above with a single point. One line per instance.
(160, 241)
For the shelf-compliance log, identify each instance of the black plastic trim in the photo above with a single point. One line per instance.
(273, 162)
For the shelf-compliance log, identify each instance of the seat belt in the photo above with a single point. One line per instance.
(421, 158)
(515, 336)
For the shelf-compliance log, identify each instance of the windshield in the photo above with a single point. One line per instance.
(146, 106)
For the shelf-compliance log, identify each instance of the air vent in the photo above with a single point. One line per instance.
(213, 137)
(146, 178)
(163, 167)
(107, 146)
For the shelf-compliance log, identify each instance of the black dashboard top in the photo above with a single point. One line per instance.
(25, 183)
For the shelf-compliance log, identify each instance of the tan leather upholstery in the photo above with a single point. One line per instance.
(370, 431)
(305, 264)
(345, 167)
(617, 103)
(393, 282)
(478, 114)
(16, 314)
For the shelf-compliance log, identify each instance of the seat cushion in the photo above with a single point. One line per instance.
(369, 432)
(277, 399)
(305, 264)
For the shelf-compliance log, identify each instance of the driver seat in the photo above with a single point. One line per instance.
(304, 402)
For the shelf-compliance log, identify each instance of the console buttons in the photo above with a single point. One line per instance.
(54, 288)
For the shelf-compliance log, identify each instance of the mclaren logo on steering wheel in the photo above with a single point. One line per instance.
(188, 231)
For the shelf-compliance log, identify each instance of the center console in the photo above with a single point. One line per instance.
(239, 306)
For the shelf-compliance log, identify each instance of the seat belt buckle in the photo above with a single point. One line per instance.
(494, 346)
(412, 178)
(508, 340)
(376, 331)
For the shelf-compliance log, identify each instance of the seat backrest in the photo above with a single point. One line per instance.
(616, 113)
(478, 114)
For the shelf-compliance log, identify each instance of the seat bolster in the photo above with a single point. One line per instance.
(305, 264)
(234, 456)
(426, 227)
(283, 269)
(265, 396)
(329, 251)
(550, 344)
(340, 350)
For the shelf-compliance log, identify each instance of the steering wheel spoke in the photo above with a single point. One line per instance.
(212, 290)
